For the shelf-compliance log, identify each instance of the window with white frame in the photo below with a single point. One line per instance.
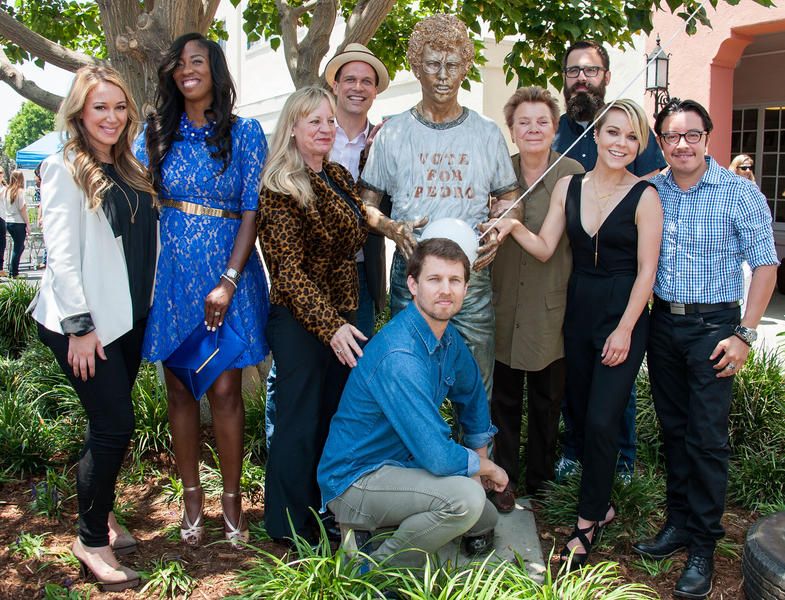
(760, 132)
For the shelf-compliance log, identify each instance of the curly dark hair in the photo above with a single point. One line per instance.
(162, 125)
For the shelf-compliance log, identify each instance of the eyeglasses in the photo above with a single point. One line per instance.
(672, 138)
(745, 167)
(432, 67)
(592, 71)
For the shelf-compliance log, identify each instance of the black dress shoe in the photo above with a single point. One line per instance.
(670, 539)
(473, 545)
(695, 580)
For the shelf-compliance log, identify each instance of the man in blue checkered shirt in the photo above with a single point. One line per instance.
(699, 339)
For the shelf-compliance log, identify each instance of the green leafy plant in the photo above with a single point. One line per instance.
(48, 495)
(16, 327)
(25, 437)
(53, 591)
(653, 568)
(168, 579)
(152, 433)
(28, 546)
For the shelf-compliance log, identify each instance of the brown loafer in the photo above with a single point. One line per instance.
(504, 501)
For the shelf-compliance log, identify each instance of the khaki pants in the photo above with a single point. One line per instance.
(429, 511)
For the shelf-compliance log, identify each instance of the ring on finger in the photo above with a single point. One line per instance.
(217, 313)
(339, 351)
(731, 366)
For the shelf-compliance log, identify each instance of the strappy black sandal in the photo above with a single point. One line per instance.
(571, 557)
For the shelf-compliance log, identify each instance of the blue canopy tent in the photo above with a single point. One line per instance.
(30, 156)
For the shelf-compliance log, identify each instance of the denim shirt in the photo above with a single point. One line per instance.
(389, 411)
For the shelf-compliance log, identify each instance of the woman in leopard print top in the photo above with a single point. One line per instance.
(311, 225)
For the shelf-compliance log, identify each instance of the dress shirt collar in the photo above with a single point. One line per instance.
(361, 137)
(712, 176)
(420, 326)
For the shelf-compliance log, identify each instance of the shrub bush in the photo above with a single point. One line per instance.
(16, 327)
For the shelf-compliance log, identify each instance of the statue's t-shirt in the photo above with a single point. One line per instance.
(439, 169)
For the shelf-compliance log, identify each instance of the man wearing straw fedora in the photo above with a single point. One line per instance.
(356, 76)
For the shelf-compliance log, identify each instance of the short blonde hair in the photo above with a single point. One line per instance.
(284, 172)
(532, 95)
(636, 116)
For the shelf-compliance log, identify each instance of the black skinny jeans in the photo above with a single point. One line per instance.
(106, 398)
(18, 232)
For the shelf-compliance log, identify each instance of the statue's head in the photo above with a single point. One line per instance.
(440, 54)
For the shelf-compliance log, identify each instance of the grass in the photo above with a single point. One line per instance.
(319, 573)
(16, 327)
(53, 591)
(28, 546)
(49, 494)
(168, 579)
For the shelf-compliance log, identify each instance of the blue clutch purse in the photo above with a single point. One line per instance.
(203, 356)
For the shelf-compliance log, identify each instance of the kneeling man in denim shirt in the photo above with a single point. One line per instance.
(390, 460)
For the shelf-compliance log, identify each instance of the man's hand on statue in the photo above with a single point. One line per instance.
(487, 252)
(402, 233)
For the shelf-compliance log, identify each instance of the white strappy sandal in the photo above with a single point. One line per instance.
(192, 534)
(237, 537)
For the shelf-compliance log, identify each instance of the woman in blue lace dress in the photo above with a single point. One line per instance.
(206, 163)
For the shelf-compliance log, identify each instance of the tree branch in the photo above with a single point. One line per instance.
(365, 20)
(24, 87)
(210, 6)
(299, 11)
(288, 24)
(39, 46)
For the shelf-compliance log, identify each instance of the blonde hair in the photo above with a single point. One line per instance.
(285, 172)
(80, 157)
(636, 116)
(737, 162)
(16, 183)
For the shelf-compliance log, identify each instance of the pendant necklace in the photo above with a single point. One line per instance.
(134, 209)
(602, 207)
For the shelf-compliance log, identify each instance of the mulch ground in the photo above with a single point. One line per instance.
(213, 565)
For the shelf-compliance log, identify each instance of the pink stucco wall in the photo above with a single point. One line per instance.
(702, 66)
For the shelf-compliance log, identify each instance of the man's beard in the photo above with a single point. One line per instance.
(583, 106)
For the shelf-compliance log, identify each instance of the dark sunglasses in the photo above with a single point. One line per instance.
(746, 167)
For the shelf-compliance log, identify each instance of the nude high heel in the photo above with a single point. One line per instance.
(102, 565)
(237, 537)
(192, 533)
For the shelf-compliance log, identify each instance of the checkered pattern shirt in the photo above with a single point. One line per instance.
(707, 232)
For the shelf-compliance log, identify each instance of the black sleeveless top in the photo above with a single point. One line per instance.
(616, 242)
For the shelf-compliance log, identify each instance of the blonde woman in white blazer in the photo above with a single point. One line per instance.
(100, 229)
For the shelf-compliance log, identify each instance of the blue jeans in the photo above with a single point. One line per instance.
(366, 310)
(18, 233)
(475, 321)
(627, 437)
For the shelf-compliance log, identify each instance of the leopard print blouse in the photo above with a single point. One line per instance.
(311, 252)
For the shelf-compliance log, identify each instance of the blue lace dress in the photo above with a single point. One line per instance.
(195, 249)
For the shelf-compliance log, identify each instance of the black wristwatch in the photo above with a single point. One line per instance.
(745, 334)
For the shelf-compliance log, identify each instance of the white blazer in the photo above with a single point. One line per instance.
(85, 266)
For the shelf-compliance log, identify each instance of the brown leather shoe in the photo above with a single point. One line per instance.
(504, 501)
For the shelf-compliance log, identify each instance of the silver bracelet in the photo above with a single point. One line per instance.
(229, 279)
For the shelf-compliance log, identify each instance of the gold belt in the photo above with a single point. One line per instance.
(190, 208)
